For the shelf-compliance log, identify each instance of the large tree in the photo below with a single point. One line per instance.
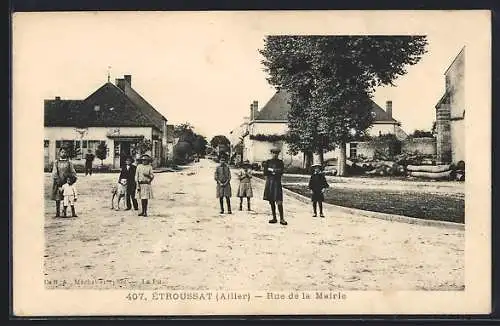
(200, 145)
(331, 80)
(219, 140)
(189, 141)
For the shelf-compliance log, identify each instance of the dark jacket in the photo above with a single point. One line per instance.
(89, 158)
(273, 190)
(318, 182)
(129, 175)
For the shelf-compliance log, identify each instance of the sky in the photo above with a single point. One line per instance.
(204, 68)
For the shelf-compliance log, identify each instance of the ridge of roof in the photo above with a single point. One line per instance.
(77, 112)
(277, 108)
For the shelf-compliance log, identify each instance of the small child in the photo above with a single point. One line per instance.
(70, 195)
(245, 187)
(318, 184)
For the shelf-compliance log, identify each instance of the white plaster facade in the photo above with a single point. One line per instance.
(92, 136)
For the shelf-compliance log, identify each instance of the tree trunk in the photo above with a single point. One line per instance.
(321, 156)
(308, 158)
(342, 160)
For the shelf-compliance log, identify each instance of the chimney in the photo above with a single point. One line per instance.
(255, 109)
(388, 108)
(120, 82)
(58, 98)
(251, 112)
(128, 78)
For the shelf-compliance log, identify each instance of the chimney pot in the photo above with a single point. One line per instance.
(388, 108)
(128, 78)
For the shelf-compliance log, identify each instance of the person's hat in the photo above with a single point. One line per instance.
(275, 149)
(145, 157)
(246, 163)
(316, 163)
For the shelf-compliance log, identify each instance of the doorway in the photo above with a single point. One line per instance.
(123, 148)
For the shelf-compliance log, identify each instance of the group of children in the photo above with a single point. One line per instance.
(131, 178)
(222, 177)
(317, 185)
(140, 177)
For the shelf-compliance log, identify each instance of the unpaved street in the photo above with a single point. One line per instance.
(186, 244)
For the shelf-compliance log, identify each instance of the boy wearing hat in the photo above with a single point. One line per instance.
(222, 176)
(245, 187)
(143, 177)
(317, 185)
(273, 191)
(128, 173)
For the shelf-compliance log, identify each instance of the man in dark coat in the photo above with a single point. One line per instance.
(128, 172)
(273, 191)
(89, 158)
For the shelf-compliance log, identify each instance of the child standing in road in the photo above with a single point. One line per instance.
(317, 185)
(70, 195)
(223, 178)
(245, 187)
(143, 177)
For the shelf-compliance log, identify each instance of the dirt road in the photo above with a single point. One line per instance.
(186, 244)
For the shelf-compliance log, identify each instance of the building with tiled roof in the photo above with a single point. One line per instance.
(271, 121)
(114, 114)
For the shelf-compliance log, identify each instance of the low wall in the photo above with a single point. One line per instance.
(425, 145)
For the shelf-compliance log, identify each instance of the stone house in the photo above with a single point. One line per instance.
(114, 114)
(450, 114)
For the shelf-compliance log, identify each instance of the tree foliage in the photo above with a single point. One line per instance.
(200, 145)
(268, 138)
(101, 151)
(189, 141)
(144, 145)
(421, 133)
(331, 81)
(219, 140)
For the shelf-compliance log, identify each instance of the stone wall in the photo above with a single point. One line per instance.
(422, 145)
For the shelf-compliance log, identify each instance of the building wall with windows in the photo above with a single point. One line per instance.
(55, 137)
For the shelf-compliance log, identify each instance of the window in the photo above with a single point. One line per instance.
(353, 150)
(81, 147)
(156, 149)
